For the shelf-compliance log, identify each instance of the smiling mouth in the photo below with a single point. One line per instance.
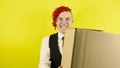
(63, 26)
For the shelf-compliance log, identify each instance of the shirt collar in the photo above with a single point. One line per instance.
(60, 35)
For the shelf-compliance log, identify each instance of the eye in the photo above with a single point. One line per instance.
(67, 18)
(60, 19)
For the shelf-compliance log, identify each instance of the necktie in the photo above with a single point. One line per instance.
(63, 41)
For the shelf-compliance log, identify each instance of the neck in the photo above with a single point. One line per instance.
(63, 33)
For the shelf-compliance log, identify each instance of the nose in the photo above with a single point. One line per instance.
(64, 22)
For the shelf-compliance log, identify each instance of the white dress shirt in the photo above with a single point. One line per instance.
(45, 51)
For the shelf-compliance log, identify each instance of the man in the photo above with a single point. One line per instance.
(51, 50)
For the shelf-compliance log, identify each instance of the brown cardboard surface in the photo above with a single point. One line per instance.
(67, 55)
(85, 48)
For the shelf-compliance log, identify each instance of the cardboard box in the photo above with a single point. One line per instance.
(84, 48)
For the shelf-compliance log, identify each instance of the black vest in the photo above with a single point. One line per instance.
(55, 55)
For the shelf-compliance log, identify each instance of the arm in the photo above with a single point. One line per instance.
(45, 54)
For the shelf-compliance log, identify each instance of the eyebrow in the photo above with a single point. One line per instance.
(61, 17)
(67, 17)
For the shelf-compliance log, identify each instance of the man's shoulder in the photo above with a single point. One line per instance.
(47, 37)
(54, 34)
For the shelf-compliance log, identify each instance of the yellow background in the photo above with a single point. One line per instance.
(23, 24)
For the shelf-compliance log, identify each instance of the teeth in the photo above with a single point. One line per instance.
(64, 26)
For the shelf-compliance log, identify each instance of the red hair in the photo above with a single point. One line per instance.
(56, 13)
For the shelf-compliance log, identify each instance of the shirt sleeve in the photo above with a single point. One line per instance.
(45, 54)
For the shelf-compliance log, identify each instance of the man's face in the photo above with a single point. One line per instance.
(64, 21)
